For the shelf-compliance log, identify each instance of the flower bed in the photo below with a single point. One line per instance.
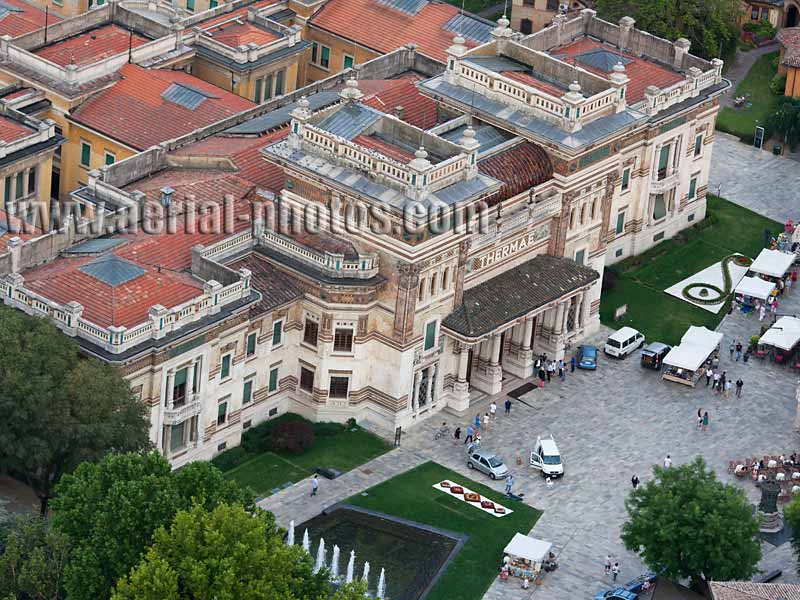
(472, 498)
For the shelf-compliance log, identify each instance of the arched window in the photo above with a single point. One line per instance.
(445, 278)
(594, 207)
(421, 289)
(433, 284)
(572, 219)
(583, 213)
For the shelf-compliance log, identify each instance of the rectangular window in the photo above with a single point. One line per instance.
(213, 4)
(272, 412)
(658, 237)
(430, 336)
(579, 256)
(311, 332)
(277, 333)
(325, 57)
(347, 62)
(552, 5)
(257, 95)
(754, 14)
(86, 154)
(280, 76)
(314, 52)
(306, 380)
(19, 190)
(179, 387)
(267, 88)
(7, 196)
(176, 437)
(225, 369)
(692, 188)
(620, 223)
(32, 180)
(251, 343)
(343, 340)
(339, 387)
(765, 13)
(663, 161)
(190, 5)
(659, 207)
(618, 253)
(110, 158)
(247, 391)
(626, 179)
(222, 413)
(273, 379)
(698, 145)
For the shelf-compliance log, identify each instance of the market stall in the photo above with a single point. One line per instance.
(782, 337)
(525, 556)
(753, 291)
(685, 362)
(772, 264)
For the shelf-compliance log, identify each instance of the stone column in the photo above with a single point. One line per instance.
(586, 307)
(495, 356)
(167, 439)
(460, 400)
(491, 380)
(414, 389)
(190, 382)
(521, 364)
(528, 334)
(168, 391)
(431, 380)
(558, 325)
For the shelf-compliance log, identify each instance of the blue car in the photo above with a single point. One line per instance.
(618, 594)
(587, 357)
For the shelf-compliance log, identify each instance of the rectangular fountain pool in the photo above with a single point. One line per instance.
(413, 555)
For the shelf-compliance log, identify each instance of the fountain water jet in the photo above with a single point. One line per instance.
(290, 535)
(351, 567)
(381, 591)
(335, 563)
(306, 542)
(320, 564)
(365, 576)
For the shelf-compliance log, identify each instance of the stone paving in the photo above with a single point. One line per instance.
(755, 178)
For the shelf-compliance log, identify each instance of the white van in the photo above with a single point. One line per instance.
(546, 457)
(623, 341)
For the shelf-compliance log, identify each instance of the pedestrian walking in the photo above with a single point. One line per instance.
(538, 364)
(705, 421)
(572, 362)
(550, 370)
(738, 351)
(614, 572)
(774, 308)
(739, 385)
(608, 564)
(542, 377)
(478, 421)
(493, 410)
(635, 481)
(732, 348)
(314, 485)
(667, 462)
(709, 375)
(728, 386)
(509, 483)
(717, 377)
(486, 422)
(722, 381)
(508, 406)
(762, 311)
(561, 373)
(781, 285)
(457, 435)
(699, 418)
(470, 432)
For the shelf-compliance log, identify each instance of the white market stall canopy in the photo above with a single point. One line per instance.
(784, 334)
(773, 263)
(528, 548)
(755, 287)
(695, 347)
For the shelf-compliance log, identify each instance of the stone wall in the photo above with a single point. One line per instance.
(66, 28)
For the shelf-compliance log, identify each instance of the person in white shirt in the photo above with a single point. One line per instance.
(667, 462)
(493, 410)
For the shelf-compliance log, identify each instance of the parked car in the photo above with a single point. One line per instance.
(623, 341)
(486, 461)
(587, 357)
(653, 355)
(546, 457)
(618, 594)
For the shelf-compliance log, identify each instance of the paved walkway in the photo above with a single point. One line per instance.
(755, 179)
(295, 503)
(742, 63)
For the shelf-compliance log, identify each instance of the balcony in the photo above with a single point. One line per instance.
(177, 414)
(661, 185)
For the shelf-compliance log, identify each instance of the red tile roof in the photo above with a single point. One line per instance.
(11, 130)
(388, 94)
(239, 12)
(91, 46)
(165, 257)
(10, 225)
(520, 168)
(383, 29)
(789, 38)
(29, 19)
(134, 111)
(641, 72)
(276, 287)
(233, 28)
(394, 152)
(534, 82)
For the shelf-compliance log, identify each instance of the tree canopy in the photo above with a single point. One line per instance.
(225, 553)
(59, 407)
(792, 515)
(687, 524)
(711, 25)
(785, 121)
(110, 510)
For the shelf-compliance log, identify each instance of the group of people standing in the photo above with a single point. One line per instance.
(546, 369)
(722, 384)
(480, 424)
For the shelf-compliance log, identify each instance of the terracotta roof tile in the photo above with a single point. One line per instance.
(394, 152)
(276, 287)
(375, 25)
(641, 72)
(135, 112)
(747, 590)
(13, 227)
(25, 19)
(91, 46)
(11, 130)
(418, 109)
(240, 12)
(520, 168)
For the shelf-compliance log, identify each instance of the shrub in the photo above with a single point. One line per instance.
(230, 458)
(778, 85)
(754, 341)
(327, 429)
(295, 437)
(609, 280)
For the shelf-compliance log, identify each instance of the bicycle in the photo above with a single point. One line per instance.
(443, 432)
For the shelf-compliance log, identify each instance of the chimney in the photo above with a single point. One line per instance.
(400, 111)
(681, 46)
(625, 26)
(166, 196)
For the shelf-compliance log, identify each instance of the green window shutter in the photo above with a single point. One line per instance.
(626, 179)
(692, 188)
(279, 77)
(579, 256)
(18, 192)
(222, 413)
(247, 393)
(110, 158)
(226, 366)
(698, 145)
(259, 87)
(180, 377)
(326, 56)
(620, 222)
(267, 88)
(659, 208)
(251, 344)
(213, 4)
(277, 332)
(430, 335)
(663, 158)
(8, 189)
(86, 154)
(314, 52)
(348, 62)
(190, 5)
(273, 380)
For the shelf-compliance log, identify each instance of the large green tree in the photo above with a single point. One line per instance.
(785, 121)
(792, 515)
(110, 510)
(711, 25)
(59, 408)
(226, 553)
(687, 524)
(33, 560)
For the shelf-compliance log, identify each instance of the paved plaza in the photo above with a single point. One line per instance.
(755, 178)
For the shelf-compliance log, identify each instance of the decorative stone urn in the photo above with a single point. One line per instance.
(768, 514)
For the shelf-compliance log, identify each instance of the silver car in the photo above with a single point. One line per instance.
(486, 461)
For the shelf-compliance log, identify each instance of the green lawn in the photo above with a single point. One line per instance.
(728, 228)
(755, 86)
(410, 496)
(351, 447)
